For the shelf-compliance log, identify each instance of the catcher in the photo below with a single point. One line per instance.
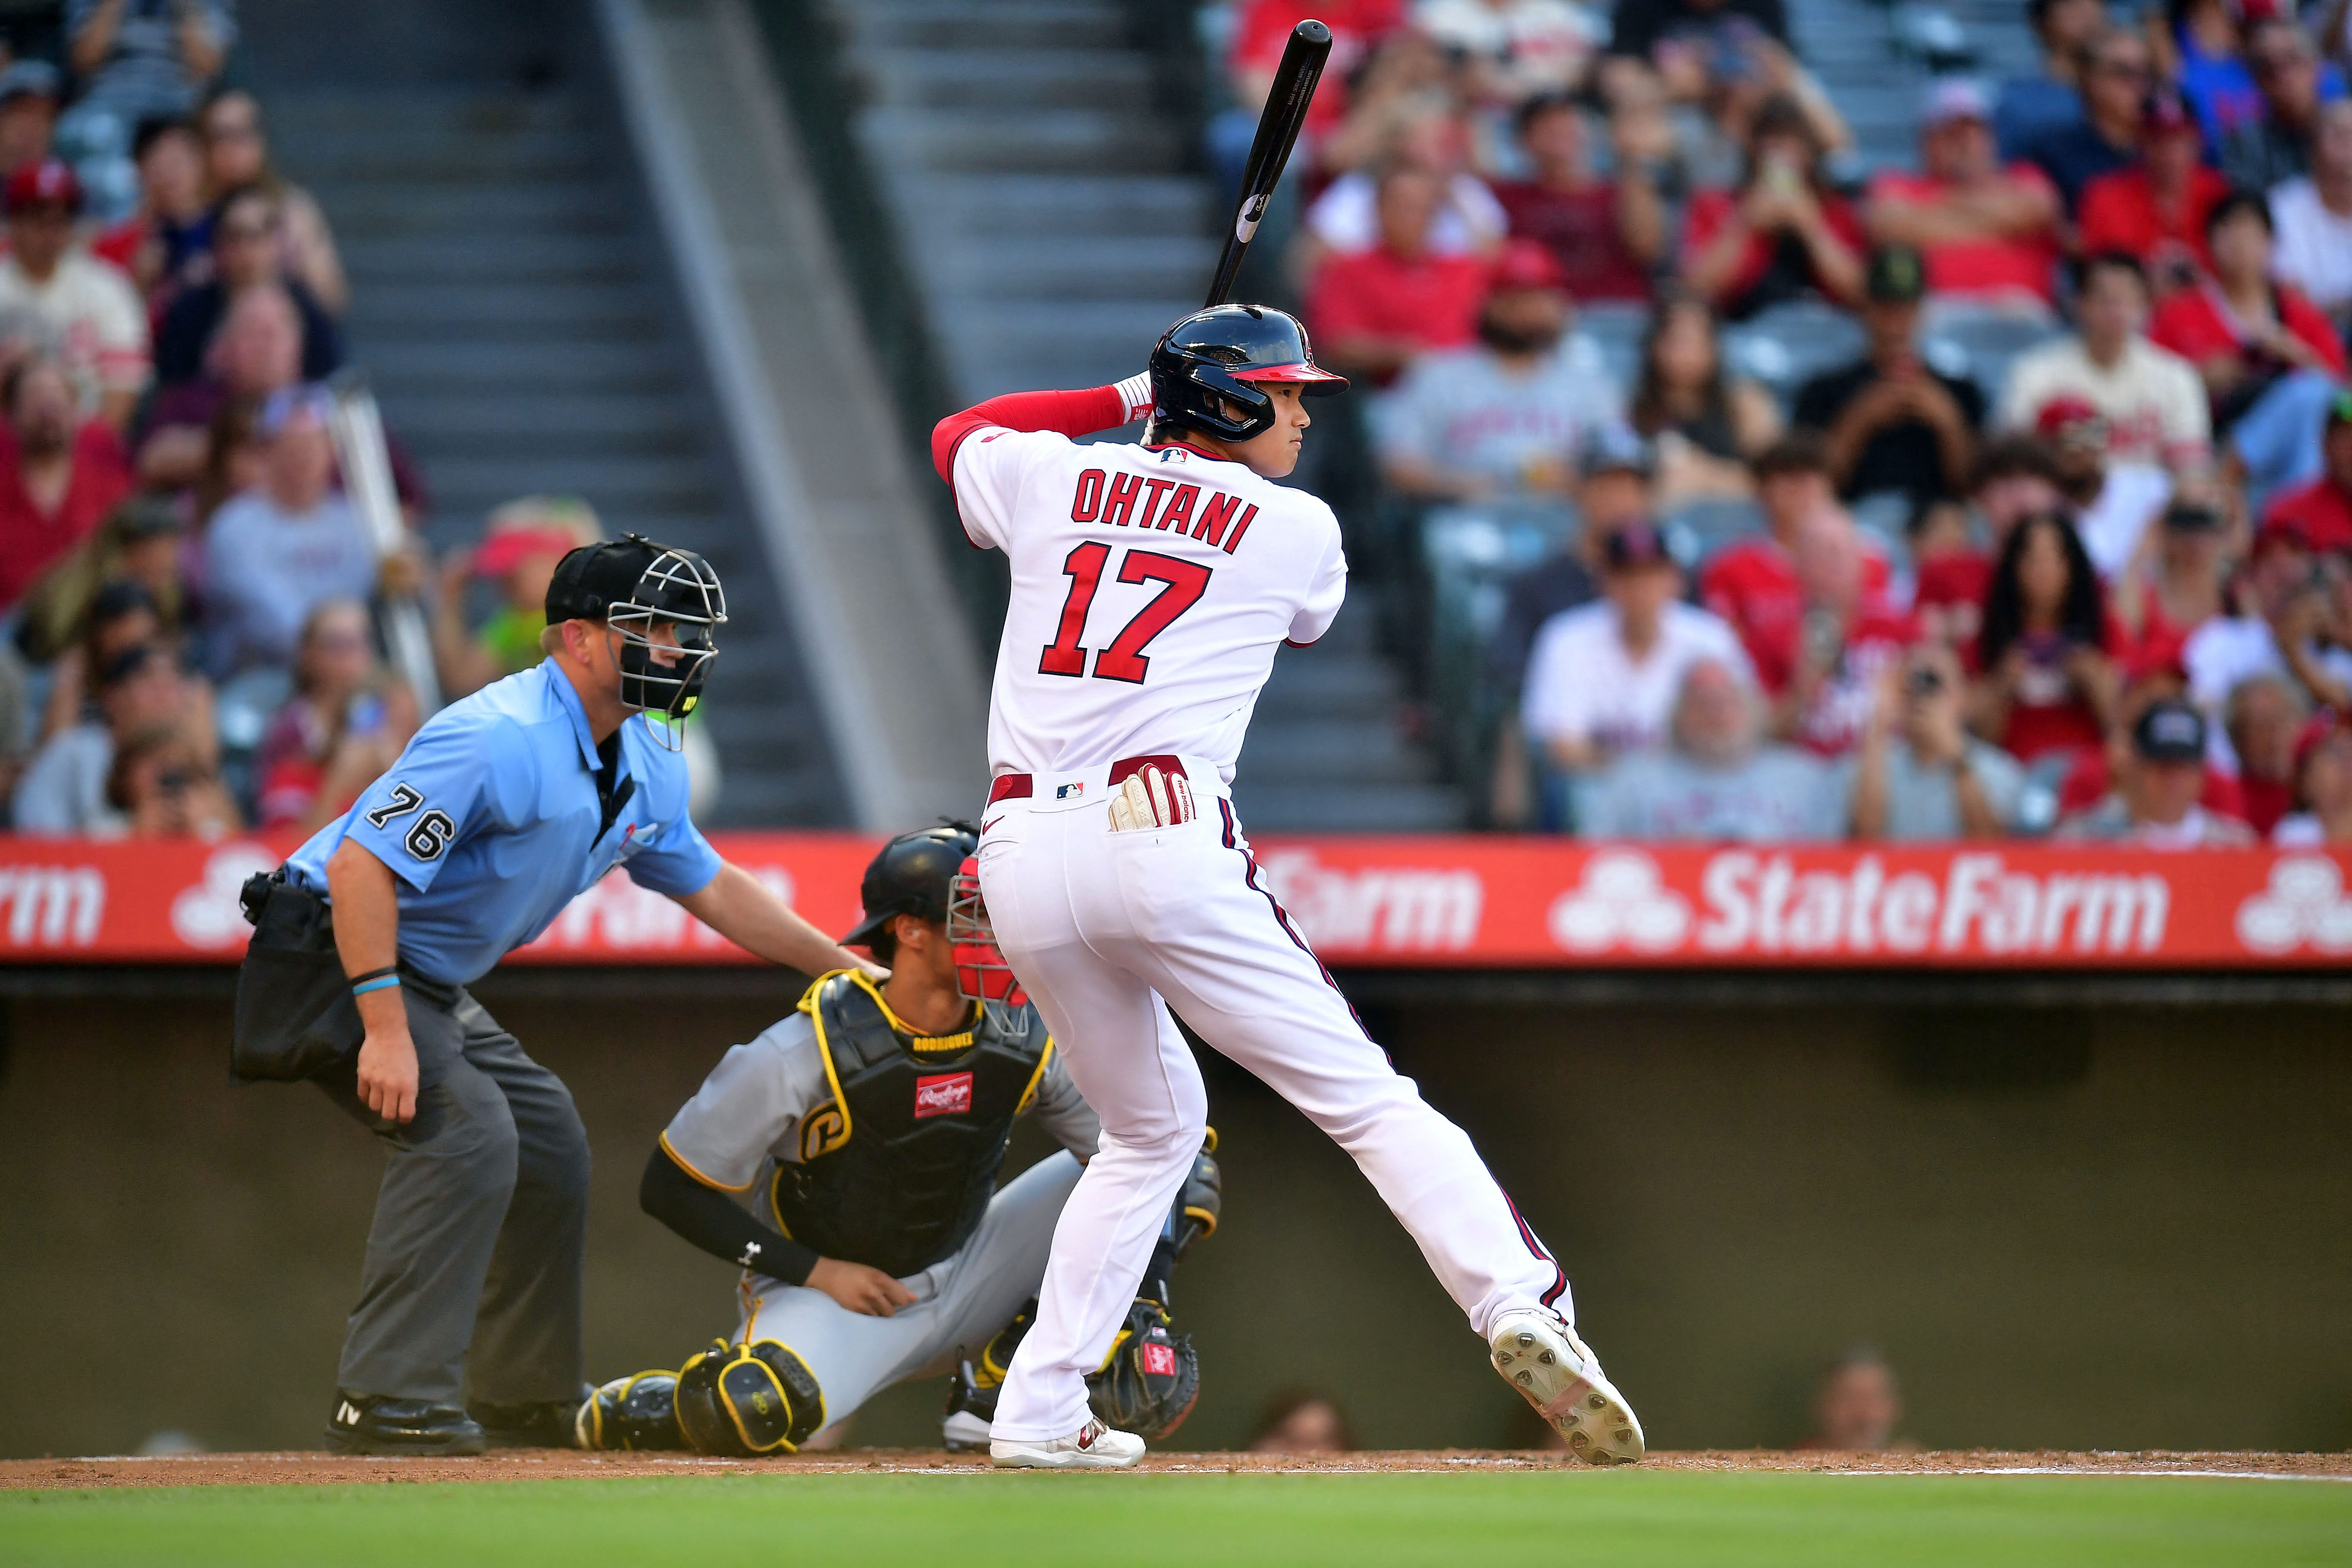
(869, 1127)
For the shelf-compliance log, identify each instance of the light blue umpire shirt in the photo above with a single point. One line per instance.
(492, 820)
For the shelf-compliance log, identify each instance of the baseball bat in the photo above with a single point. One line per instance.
(1277, 128)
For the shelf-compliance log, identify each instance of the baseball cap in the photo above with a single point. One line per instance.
(535, 525)
(50, 182)
(1954, 98)
(1526, 263)
(1636, 544)
(1896, 275)
(1616, 448)
(592, 578)
(28, 79)
(2065, 415)
(2169, 731)
(2284, 531)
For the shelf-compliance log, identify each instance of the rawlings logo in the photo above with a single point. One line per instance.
(944, 1094)
(1159, 1361)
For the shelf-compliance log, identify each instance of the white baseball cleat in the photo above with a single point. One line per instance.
(1095, 1447)
(1560, 1376)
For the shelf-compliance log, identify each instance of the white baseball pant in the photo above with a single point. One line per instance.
(1100, 925)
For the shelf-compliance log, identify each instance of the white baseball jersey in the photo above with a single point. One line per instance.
(1151, 587)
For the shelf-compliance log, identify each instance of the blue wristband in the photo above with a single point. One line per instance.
(364, 986)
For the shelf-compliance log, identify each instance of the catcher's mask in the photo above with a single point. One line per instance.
(981, 973)
(636, 586)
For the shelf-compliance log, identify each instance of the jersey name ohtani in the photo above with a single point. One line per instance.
(1118, 499)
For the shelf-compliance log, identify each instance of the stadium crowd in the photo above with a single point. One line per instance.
(2006, 494)
(189, 598)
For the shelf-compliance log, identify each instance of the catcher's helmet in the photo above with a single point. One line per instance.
(910, 877)
(1212, 357)
(632, 585)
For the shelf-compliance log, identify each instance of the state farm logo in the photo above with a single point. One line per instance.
(1621, 900)
(2304, 902)
(1760, 902)
(945, 1094)
(1380, 909)
(208, 914)
(53, 906)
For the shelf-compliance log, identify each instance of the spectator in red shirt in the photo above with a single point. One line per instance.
(1753, 583)
(1605, 234)
(2045, 678)
(2264, 715)
(1989, 233)
(1785, 232)
(2172, 584)
(1357, 27)
(2269, 359)
(2012, 478)
(1823, 670)
(2321, 510)
(1377, 312)
(2155, 210)
(59, 475)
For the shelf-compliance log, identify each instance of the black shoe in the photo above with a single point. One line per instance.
(377, 1424)
(971, 1411)
(540, 1426)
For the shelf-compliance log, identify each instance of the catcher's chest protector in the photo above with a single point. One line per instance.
(900, 1177)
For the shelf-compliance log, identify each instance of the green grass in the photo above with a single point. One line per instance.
(1626, 1519)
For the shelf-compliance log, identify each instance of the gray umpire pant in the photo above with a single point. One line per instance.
(471, 1290)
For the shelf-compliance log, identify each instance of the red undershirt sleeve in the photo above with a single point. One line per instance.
(1071, 414)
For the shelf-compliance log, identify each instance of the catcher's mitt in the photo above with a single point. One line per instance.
(1149, 1382)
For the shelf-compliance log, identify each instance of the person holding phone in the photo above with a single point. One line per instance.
(1920, 776)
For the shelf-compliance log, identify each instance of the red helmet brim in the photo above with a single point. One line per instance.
(1306, 373)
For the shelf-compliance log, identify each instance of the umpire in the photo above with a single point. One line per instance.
(504, 806)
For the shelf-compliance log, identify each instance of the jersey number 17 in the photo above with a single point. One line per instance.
(1182, 583)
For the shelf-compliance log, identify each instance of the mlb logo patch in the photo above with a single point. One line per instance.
(1159, 1361)
(1069, 791)
(943, 1094)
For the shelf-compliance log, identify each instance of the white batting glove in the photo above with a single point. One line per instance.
(1134, 392)
(1150, 798)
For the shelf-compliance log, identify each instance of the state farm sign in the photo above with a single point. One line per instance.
(1758, 902)
(1384, 902)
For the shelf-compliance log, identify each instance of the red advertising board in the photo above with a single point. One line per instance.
(1378, 902)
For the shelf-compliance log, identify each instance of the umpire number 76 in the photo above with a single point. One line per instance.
(428, 838)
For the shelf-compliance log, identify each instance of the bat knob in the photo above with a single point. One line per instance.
(1311, 31)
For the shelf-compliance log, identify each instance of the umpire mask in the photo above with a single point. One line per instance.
(635, 587)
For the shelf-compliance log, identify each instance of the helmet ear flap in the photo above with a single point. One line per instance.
(1219, 383)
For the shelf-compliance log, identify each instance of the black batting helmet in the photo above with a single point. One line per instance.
(910, 877)
(1213, 356)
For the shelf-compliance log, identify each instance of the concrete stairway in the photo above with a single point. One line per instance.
(1056, 227)
(512, 308)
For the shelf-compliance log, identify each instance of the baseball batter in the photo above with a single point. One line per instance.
(1151, 587)
(869, 1127)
